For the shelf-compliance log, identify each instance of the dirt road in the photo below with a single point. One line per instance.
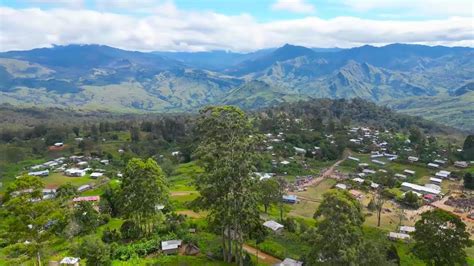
(329, 172)
(262, 257)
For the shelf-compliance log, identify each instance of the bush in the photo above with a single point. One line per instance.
(130, 230)
(109, 236)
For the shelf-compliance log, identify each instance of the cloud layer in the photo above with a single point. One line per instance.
(296, 6)
(171, 29)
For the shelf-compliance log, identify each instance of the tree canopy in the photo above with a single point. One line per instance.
(441, 238)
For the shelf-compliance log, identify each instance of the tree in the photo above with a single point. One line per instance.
(130, 230)
(411, 199)
(468, 148)
(86, 217)
(469, 180)
(379, 201)
(95, 251)
(227, 152)
(342, 217)
(441, 238)
(135, 134)
(269, 190)
(28, 218)
(66, 191)
(143, 188)
(76, 131)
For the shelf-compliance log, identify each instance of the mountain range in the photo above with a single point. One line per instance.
(434, 82)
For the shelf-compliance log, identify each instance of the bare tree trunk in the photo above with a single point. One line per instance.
(224, 248)
(38, 257)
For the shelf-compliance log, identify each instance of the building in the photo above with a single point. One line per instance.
(290, 199)
(378, 162)
(413, 159)
(75, 172)
(170, 246)
(356, 193)
(83, 188)
(443, 174)
(88, 198)
(341, 186)
(353, 158)
(406, 229)
(96, 175)
(289, 262)
(299, 150)
(368, 171)
(374, 185)
(58, 144)
(409, 172)
(274, 226)
(398, 236)
(285, 162)
(433, 165)
(461, 164)
(419, 189)
(436, 181)
(39, 173)
(358, 180)
(440, 162)
(70, 261)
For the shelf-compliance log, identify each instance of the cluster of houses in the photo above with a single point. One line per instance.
(74, 166)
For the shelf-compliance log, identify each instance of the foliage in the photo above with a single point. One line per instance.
(95, 251)
(28, 218)
(66, 191)
(342, 217)
(411, 199)
(468, 148)
(441, 238)
(227, 152)
(130, 230)
(86, 217)
(143, 188)
(269, 190)
(469, 180)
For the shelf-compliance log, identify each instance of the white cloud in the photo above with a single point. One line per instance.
(296, 6)
(172, 29)
(416, 7)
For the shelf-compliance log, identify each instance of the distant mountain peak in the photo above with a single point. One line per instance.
(290, 51)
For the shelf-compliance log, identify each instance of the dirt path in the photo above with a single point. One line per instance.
(181, 193)
(262, 257)
(328, 173)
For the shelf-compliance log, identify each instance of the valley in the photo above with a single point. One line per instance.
(408, 78)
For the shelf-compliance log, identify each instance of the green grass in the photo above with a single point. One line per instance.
(310, 199)
(183, 177)
(285, 245)
(57, 179)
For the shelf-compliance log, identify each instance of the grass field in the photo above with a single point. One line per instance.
(57, 179)
(310, 199)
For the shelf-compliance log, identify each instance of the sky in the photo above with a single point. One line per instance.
(240, 26)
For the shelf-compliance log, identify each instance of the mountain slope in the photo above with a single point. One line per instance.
(95, 77)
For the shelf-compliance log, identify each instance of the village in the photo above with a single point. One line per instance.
(374, 164)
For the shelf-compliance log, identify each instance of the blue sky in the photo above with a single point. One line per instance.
(245, 25)
(262, 9)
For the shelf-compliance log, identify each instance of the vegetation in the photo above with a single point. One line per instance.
(194, 178)
(441, 238)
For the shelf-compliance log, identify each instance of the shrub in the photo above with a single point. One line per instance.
(130, 230)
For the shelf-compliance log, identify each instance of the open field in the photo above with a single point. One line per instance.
(310, 199)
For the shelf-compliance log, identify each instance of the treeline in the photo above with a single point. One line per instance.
(356, 110)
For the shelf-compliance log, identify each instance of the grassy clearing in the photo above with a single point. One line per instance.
(310, 199)
(57, 179)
